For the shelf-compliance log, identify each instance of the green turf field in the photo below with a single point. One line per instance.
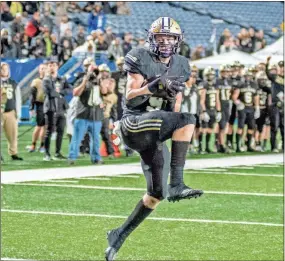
(35, 160)
(239, 217)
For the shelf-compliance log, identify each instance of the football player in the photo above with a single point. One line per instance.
(225, 89)
(264, 93)
(211, 106)
(277, 107)
(191, 103)
(236, 80)
(37, 109)
(120, 77)
(246, 99)
(156, 78)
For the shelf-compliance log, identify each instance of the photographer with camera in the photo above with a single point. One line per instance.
(89, 115)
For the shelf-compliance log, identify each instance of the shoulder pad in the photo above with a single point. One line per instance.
(133, 60)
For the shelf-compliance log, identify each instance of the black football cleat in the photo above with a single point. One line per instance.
(115, 241)
(181, 191)
(110, 254)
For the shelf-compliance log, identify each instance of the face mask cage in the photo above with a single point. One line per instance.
(167, 49)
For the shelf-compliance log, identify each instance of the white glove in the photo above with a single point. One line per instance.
(205, 117)
(256, 113)
(240, 105)
(218, 116)
(117, 132)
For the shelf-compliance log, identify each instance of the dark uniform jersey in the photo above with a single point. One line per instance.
(120, 90)
(225, 88)
(263, 93)
(10, 88)
(236, 81)
(191, 98)
(211, 95)
(142, 61)
(248, 89)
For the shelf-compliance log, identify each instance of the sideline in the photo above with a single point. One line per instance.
(143, 189)
(149, 218)
(111, 170)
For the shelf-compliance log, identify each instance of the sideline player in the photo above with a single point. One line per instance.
(246, 99)
(225, 90)
(156, 78)
(37, 110)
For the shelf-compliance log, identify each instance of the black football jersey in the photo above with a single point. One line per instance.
(142, 61)
(211, 95)
(10, 86)
(236, 81)
(248, 90)
(263, 93)
(225, 90)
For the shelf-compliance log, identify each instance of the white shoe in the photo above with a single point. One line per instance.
(47, 158)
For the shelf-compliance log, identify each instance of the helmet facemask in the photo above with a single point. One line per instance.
(164, 37)
(164, 44)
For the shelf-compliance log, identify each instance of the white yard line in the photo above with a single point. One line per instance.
(149, 218)
(269, 166)
(143, 189)
(126, 176)
(62, 181)
(16, 259)
(111, 170)
(236, 174)
(94, 178)
(241, 167)
(213, 170)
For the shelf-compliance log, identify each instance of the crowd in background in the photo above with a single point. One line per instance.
(44, 29)
(39, 30)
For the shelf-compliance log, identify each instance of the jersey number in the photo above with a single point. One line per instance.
(122, 86)
(212, 100)
(226, 94)
(248, 97)
(9, 93)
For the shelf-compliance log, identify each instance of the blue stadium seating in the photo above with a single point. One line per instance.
(195, 18)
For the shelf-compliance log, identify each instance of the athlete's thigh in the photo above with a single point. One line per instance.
(260, 122)
(250, 121)
(241, 118)
(212, 120)
(170, 121)
(233, 115)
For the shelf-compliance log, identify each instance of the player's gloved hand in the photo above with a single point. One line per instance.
(218, 116)
(205, 116)
(240, 105)
(256, 112)
(174, 86)
(153, 84)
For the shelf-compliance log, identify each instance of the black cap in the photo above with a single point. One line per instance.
(281, 64)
